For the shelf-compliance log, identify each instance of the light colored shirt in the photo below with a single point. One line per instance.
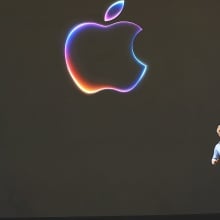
(216, 154)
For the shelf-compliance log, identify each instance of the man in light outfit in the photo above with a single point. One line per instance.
(216, 154)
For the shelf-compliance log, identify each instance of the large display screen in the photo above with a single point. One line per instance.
(109, 107)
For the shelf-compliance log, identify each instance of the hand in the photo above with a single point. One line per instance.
(214, 161)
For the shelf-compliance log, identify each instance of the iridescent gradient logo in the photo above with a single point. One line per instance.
(81, 82)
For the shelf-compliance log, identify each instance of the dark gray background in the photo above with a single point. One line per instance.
(64, 153)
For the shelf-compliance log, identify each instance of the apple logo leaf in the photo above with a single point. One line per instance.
(114, 10)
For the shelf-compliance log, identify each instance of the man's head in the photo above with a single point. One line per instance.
(218, 130)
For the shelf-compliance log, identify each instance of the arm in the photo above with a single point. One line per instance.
(215, 157)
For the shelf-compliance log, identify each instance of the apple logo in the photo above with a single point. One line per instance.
(83, 83)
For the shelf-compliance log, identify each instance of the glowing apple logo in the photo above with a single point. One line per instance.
(82, 82)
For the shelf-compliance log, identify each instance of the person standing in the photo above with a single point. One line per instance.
(216, 154)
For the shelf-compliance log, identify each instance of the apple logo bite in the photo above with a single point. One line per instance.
(84, 83)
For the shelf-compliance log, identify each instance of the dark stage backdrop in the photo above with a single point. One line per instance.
(65, 153)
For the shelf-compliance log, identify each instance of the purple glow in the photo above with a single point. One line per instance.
(82, 83)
